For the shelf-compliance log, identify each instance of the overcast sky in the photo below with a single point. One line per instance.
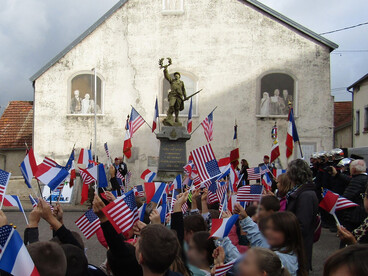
(34, 31)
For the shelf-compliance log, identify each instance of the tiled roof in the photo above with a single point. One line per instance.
(16, 125)
(343, 113)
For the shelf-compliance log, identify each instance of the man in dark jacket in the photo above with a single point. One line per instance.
(353, 217)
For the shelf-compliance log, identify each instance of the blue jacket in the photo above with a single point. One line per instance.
(256, 239)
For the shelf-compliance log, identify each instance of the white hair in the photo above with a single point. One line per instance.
(359, 166)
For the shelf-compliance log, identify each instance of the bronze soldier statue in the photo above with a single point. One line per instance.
(176, 97)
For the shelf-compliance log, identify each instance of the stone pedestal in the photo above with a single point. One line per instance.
(173, 151)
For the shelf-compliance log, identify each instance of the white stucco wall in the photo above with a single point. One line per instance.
(360, 102)
(226, 44)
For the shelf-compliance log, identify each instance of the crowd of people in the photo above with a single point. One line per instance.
(274, 236)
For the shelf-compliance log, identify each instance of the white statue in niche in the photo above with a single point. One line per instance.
(87, 104)
(173, 5)
(75, 107)
(265, 104)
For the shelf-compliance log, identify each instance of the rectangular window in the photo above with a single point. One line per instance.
(366, 119)
(357, 122)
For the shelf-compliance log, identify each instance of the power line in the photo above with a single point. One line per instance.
(346, 28)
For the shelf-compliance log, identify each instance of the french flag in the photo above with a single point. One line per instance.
(148, 175)
(12, 201)
(178, 182)
(155, 117)
(142, 211)
(51, 176)
(221, 227)
(154, 191)
(84, 157)
(329, 201)
(190, 114)
(292, 134)
(266, 181)
(98, 173)
(29, 167)
(14, 257)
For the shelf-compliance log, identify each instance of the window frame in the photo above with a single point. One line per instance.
(357, 122)
(195, 98)
(69, 93)
(365, 126)
(258, 94)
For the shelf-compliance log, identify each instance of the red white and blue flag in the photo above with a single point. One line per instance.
(278, 172)
(184, 207)
(88, 223)
(221, 227)
(139, 191)
(223, 269)
(207, 125)
(190, 115)
(33, 201)
(254, 173)
(12, 201)
(250, 193)
(177, 182)
(275, 151)
(154, 191)
(71, 169)
(135, 122)
(14, 256)
(122, 212)
(28, 167)
(292, 134)
(148, 175)
(4, 180)
(205, 161)
(332, 202)
(127, 147)
(266, 181)
(155, 117)
(84, 156)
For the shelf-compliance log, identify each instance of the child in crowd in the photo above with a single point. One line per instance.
(281, 234)
(269, 205)
(350, 261)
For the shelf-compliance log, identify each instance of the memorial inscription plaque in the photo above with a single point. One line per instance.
(172, 152)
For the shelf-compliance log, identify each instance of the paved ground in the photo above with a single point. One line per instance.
(96, 253)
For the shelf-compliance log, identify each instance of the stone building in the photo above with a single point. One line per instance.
(248, 59)
(16, 126)
(343, 124)
(359, 89)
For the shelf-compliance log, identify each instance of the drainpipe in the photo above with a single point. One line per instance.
(2, 154)
(351, 90)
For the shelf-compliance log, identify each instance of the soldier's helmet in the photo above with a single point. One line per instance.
(345, 162)
(337, 153)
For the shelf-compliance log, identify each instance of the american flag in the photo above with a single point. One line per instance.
(264, 169)
(342, 202)
(86, 176)
(205, 162)
(139, 191)
(223, 269)
(51, 163)
(254, 173)
(136, 121)
(120, 176)
(128, 177)
(207, 125)
(212, 193)
(223, 203)
(107, 151)
(221, 190)
(5, 231)
(88, 223)
(122, 212)
(4, 180)
(250, 193)
(184, 207)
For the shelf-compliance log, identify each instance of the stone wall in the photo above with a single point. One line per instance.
(225, 44)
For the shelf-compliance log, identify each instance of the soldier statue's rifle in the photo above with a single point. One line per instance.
(193, 95)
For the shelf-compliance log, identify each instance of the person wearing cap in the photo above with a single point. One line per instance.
(266, 162)
(114, 168)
